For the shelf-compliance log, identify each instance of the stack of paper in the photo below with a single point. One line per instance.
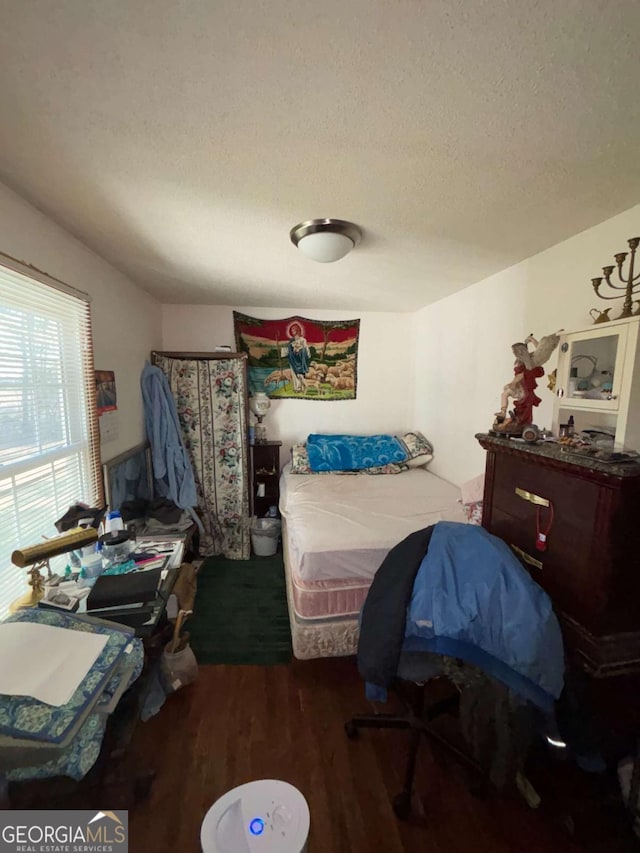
(44, 662)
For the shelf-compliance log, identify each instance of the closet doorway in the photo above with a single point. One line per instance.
(210, 391)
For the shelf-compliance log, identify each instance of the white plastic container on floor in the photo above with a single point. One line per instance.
(265, 533)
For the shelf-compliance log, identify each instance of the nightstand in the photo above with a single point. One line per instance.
(265, 476)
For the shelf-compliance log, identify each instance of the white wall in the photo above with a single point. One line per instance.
(463, 343)
(385, 374)
(126, 320)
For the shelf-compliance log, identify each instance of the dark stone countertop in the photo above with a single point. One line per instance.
(557, 452)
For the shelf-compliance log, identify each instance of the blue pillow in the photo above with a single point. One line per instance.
(351, 452)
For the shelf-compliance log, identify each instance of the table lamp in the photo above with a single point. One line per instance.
(38, 556)
(260, 405)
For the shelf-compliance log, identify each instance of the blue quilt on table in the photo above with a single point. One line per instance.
(351, 452)
(36, 719)
(26, 717)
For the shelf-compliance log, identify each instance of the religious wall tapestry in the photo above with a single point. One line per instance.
(300, 358)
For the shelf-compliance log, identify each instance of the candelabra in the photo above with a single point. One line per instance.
(628, 284)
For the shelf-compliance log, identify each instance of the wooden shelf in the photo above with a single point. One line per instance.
(265, 471)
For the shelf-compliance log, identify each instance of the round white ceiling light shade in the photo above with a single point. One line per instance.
(325, 240)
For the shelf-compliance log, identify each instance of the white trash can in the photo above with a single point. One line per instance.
(265, 533)
(266, 815)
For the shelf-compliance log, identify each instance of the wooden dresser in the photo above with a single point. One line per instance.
(591, 567)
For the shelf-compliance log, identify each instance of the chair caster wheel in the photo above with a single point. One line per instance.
(402, 805)
(351, 730)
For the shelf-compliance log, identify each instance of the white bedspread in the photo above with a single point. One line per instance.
(342, 527)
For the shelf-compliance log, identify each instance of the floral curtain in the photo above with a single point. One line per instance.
(210, 395)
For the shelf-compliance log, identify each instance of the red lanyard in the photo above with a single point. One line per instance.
(541, 535)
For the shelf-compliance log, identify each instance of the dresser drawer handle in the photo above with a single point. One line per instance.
(529, 496)
(527, 557)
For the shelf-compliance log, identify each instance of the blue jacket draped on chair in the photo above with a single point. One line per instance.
(456, 590)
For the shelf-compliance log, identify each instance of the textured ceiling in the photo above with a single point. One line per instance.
(181, 139)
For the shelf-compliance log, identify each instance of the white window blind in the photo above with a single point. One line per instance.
(49, 441)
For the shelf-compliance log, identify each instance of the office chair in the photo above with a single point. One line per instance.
(415, 672)
(446, 598)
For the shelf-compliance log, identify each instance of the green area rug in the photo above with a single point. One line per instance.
(240, 615)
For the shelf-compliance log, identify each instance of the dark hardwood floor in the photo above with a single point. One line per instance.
(239, 723)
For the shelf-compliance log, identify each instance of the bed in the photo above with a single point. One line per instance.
(336, 531)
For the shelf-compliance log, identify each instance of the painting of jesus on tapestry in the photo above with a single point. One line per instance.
(300, 358)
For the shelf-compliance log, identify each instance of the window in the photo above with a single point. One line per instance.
(49, 441)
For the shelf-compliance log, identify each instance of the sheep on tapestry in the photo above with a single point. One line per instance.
(300, 358)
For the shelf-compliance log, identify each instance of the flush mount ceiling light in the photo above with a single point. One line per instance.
(325, 240)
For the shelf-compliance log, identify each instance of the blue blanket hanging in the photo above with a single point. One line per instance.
(172, 469)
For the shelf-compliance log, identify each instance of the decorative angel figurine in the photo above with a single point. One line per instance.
(527, 368)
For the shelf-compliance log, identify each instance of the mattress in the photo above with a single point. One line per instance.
(340, 528)
(327, 598)
(317, 638)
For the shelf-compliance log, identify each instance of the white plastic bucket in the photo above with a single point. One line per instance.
(265, 533)
(263, 546)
